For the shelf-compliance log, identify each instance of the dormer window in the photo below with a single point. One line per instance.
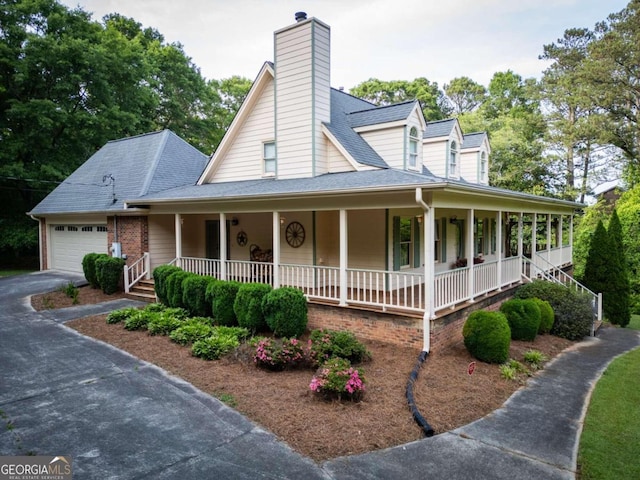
(269, 158)
(413, 148)
(483, 166)
(453, 159)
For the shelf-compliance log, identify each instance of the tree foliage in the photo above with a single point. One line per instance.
(465, 95)
(628, 210)
(619, 289)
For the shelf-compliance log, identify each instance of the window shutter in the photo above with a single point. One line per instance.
(416, 242)
(461, 238)
(396, 243)
(443, 240)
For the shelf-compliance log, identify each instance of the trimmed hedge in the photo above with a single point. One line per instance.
(248, 306)
(573, 311)
(285, 311)
(487, 336)
(109, 273)
(194, 289)
(160, 276)
(89, 268)
(523, 316)
(546, 315)
(223, 296)
(174, 288)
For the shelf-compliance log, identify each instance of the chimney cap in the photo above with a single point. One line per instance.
(300, 16)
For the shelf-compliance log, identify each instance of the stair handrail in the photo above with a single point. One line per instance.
(136, 272)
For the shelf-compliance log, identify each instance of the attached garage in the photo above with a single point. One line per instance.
(70, 243)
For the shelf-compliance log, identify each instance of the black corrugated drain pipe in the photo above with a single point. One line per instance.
(417, 416)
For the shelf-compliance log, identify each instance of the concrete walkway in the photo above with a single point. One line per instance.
(65, 394)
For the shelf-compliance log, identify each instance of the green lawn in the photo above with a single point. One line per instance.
(8, 273)
(611, 434)
(635, 322)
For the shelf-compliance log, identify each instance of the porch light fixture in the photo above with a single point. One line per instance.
(234, 221)
(419, 218)
(282, 220)
(453, 220)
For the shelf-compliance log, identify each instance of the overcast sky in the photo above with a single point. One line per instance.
(385, 39)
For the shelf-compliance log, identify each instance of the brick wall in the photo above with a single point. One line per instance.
(133, 234)
(400, 329)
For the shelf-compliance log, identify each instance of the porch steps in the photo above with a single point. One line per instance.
(144, 290)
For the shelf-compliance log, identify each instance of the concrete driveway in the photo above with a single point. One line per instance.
(118, 417)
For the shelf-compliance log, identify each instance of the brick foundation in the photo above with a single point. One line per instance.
(133, 234)
(399, 329)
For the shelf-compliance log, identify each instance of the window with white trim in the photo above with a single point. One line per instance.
(101, 228)
(72, 229)
(87, 229)
(406, 242)
(437, 244)
(413, 148)
(453, 159)
(269, 158)
(59, 228)
(483, 166)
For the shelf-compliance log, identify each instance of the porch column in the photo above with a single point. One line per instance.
(178, 223)
(560, 238)
(534, 241)
(470, 253)
(548, 238)
(499, 247)
(520, 240)
(223, 246)
(343, 257)
(276, 249)
(429, 265)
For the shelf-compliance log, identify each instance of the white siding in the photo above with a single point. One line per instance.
(302, 255)
(328, 238)
(366, 229)
(389, 144)
(244, 158)
(336, 162)
(162, 239)
(469, 166)
(257, 226)
(435, 157)
(302, 97)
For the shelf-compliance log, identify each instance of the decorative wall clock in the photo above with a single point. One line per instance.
(241, 238)
(294, 234)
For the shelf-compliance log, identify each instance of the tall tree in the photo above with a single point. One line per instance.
(628, 210)
(597, 269)
(433, 101)
(619, 288)
(464, 94)
(612, 69)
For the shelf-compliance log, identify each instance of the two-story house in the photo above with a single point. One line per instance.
(360, 206)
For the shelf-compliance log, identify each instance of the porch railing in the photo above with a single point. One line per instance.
(451, 287)
(389, 289)
(249, 272)
(315, 281)
(201, 266)
(136, 272)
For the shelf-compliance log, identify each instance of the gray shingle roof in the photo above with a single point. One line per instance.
(140, 165)
(473, 140)
(342, 104)
(383, 114)
(440, 128)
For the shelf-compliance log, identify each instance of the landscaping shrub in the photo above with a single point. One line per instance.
(573, 311)
(194, 289)
(285, 311)
(523, 316)
(160, 276)
(223, 296)
(208, 294)
(326, 344)
(546, 315)
(140, 320)
(89, 268)
(109, 272)
(278, 354)
(487, 336)
(163, 324)
(535, 359)
(117, 316)
(337, 379)
(191, 331)
(238, 332)
(174, 288)
(248, 306)
(215, 346)
(155, 307)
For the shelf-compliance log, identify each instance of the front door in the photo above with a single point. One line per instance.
(212, 238)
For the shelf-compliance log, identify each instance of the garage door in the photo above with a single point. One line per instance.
(70, 243)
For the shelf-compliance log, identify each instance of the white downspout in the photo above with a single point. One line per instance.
(429, 280)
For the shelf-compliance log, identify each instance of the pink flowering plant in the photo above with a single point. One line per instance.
(337, 379)
(278, 354)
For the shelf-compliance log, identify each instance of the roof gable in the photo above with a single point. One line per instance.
(440, 128)
(475, 140)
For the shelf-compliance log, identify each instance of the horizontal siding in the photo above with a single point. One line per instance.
(388, 144)
(244, 159)
(303, 255)
(469, 166)
(336, 161)
(434, 157)
(162, 239)
(366, 230)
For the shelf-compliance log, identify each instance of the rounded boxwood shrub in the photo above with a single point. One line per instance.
(175, 289)
(223, 297)
(326, 344)
(285, 311)
(573, 311)
(546, 315)
(487, 336)
(160, 276)
(89, 268)
(248, 306)
(194, 289)
(110, 273)
(523, 316)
